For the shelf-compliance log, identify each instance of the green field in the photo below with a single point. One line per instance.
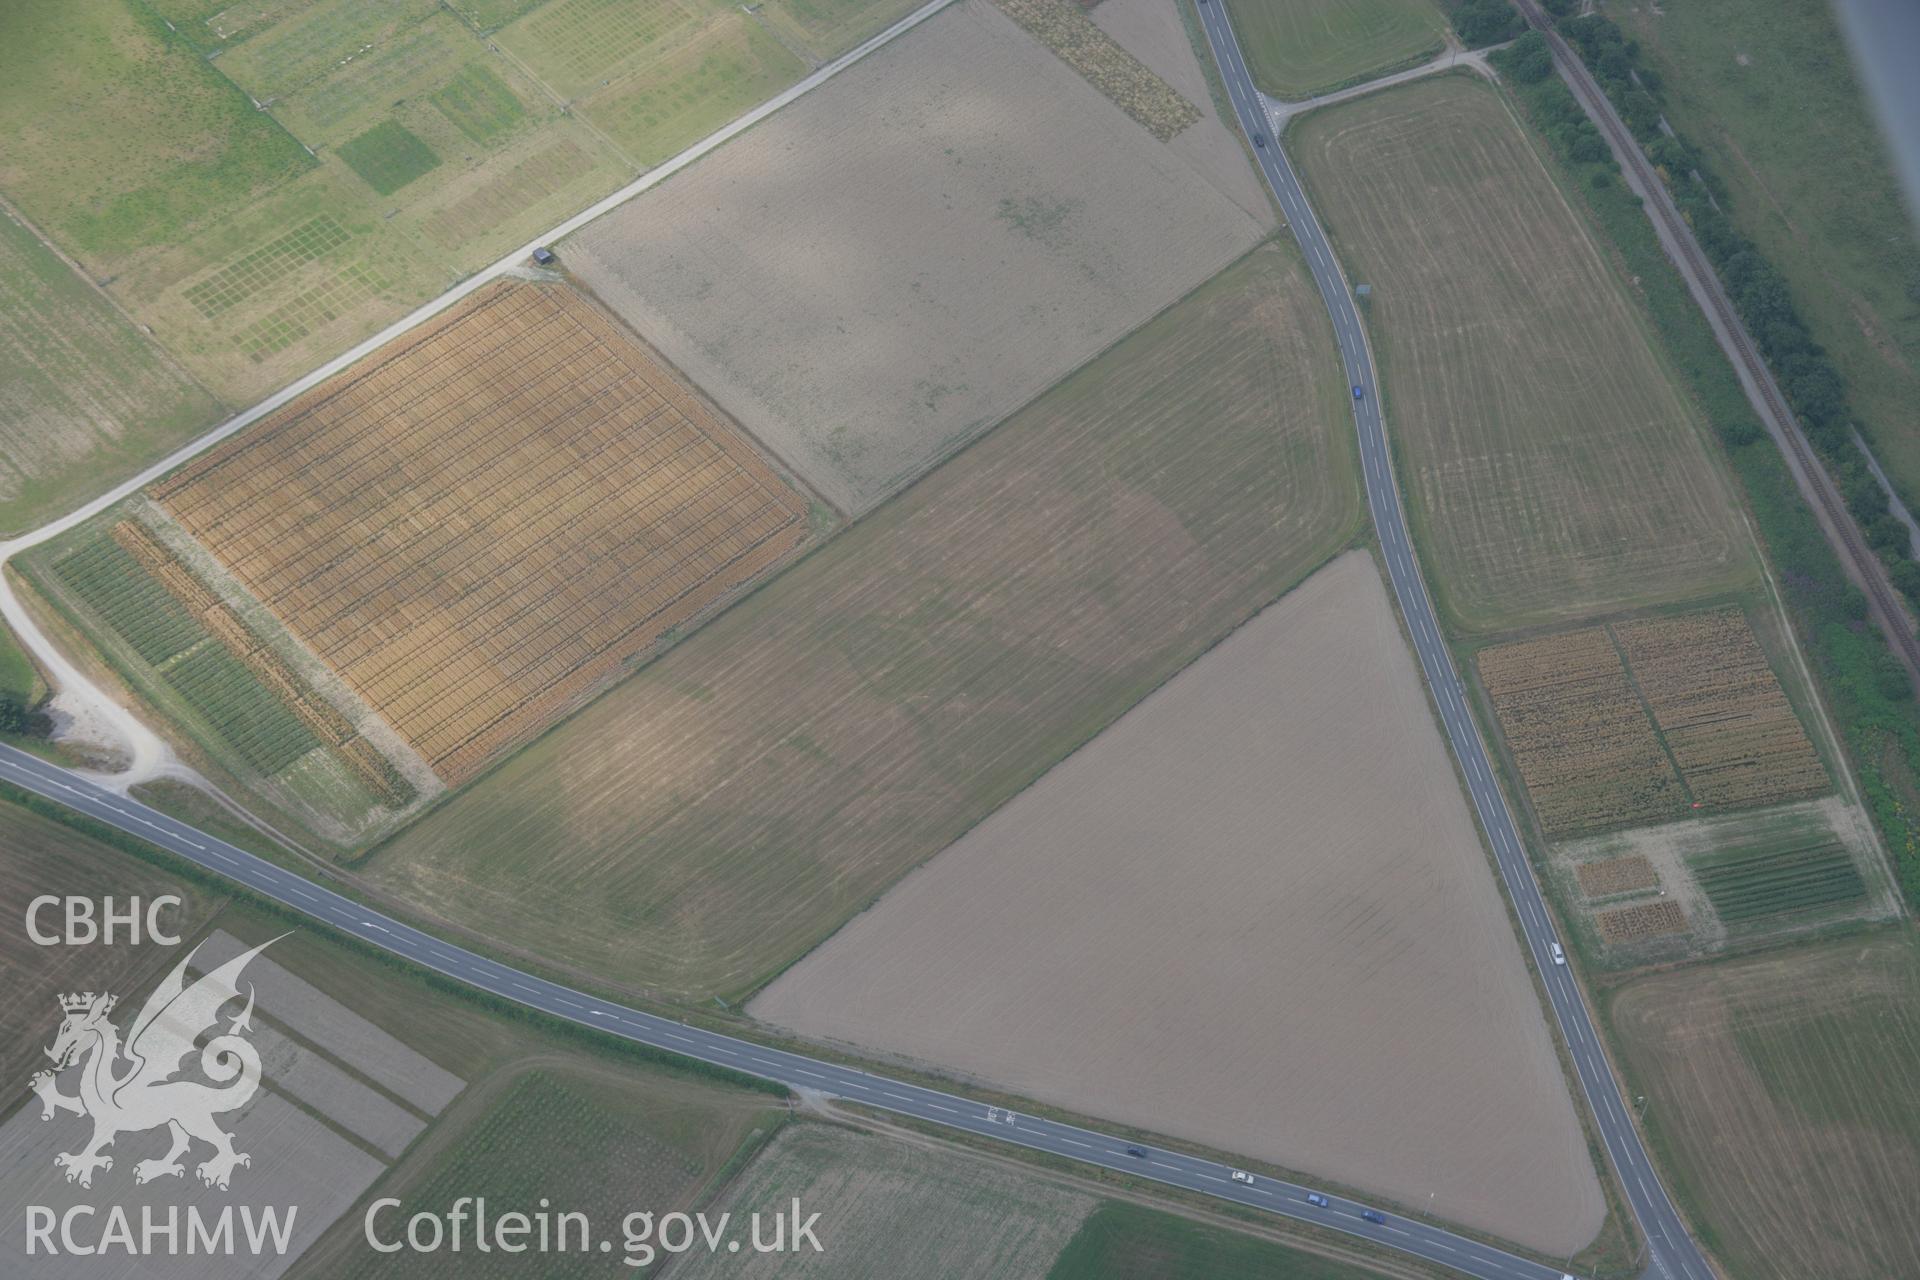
(1746, 884)
(387, 157)
(1767, 92)
(713, 818)
(17, 676)
(87, 396)
(591, 1141)
(394, 150)
(1123, 1241)
(1783, 1095)
(249, 719)
(115, 136)
(1298, 48)
(1553, 468)
(896, 1209)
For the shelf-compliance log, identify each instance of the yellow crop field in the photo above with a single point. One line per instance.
(1725, 718)
(1578, 732)
(485, 524)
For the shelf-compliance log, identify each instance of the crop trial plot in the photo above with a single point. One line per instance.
(1578, 732)
(482, 526)
(1724, 716)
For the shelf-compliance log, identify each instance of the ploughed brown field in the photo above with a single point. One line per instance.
(1254, 913)
(485, 524)
(1643, 720)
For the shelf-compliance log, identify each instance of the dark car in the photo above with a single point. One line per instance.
(1138, 1153)
(1373, 1215)
(1260, 140)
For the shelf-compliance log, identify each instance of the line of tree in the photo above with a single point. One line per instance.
(1480, 23)
(1866, 686)
(1806, 373)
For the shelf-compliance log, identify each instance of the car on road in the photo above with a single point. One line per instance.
(1241, 1175)
(1260, 140)
(1138, 1153)
(1316, 1199)
(1559, 956)
(1373, 1215)
(1358, 394)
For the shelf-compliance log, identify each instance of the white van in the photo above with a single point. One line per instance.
(1559, 956)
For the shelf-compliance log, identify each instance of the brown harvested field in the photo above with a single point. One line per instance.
(903, 257)
(1579, 733)
(1240, 916)
(1642, 920)
(1615, 875)
(1724, 715)
(1554, 467)
(485, 524)
(1783, 1094)
(39, 856)
(708, 821)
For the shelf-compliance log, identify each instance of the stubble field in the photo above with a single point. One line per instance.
(1553, 468)
(1240, 916)
(911, 252)
(714, 817)
(1784, 1091)
(485, 524)
(892, 1208)
(83, 394)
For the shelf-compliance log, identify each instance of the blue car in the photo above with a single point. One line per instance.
(1357, 394)
(1373, 1215)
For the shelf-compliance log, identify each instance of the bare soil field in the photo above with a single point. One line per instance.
(708, 821)
(1156, 34)
(1784, 1095)
(1553, 467)
(487, 523)
(890, 1208)
(1240, 916)
(908, 254)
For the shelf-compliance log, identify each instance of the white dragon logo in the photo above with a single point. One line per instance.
(144, 1095)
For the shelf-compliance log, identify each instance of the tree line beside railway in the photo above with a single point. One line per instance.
(1867, 689)
(1807, 375)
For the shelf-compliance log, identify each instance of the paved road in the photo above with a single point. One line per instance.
(796, 1071)
(1673, 1252)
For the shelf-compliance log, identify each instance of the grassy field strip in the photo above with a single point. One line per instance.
(1298, 49)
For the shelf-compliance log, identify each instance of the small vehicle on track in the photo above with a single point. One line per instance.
(1317, 1200)
(1260, 140)
(1373, 1215)
(1559, 956)
(1241, 1175)
(1358, 394)
(1138, 1153)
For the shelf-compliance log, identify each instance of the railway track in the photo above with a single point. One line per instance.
(1809, 472)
